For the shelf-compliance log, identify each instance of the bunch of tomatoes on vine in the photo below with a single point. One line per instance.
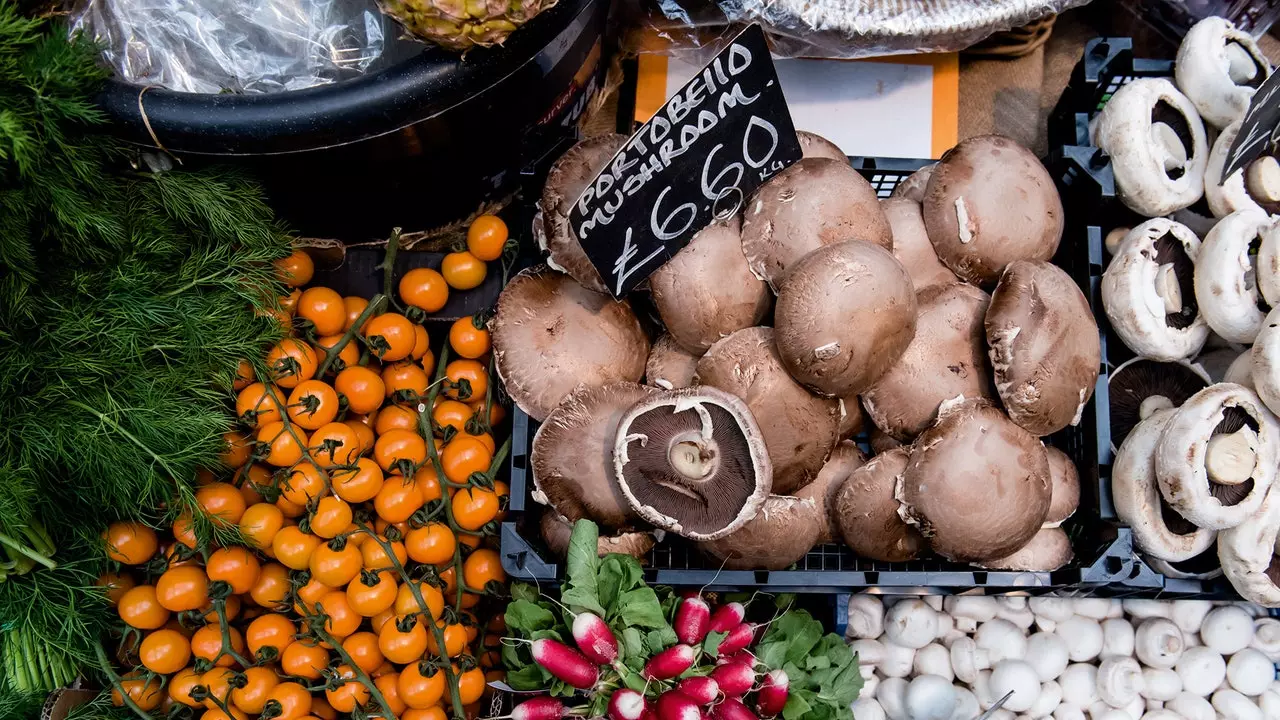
(344, 563)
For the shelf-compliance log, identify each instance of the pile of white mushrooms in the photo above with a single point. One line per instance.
(952, 658)
(1197, 299)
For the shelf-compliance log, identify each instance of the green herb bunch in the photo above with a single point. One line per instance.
(127, 298)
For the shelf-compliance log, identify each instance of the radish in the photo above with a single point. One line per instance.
(543, 707)
(734, 679)
(731, 709)
(565, 663)
(742, 656)
(703, 689)
(727, 617)
(737, 639)
(668, 664)
(673, 705)
(773, 693)
(594, 638)
(693, 620)
(627, 704)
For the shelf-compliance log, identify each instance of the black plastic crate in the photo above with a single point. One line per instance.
(1105, 562)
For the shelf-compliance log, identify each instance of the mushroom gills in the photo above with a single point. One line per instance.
(1171, 136)
(1141, 387)
(1231, 455)
(1242, 67)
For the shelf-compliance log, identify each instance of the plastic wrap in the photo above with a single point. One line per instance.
(836, 28)
(239, 46)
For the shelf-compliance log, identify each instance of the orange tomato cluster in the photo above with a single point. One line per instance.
(371, 579)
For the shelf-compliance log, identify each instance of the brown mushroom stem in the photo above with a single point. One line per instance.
(1230, 457)
(1262, 179)
(1169, 146)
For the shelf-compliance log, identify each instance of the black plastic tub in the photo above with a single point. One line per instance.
(418, 145)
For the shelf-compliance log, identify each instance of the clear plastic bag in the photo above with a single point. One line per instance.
(836, 28)
(239, 46)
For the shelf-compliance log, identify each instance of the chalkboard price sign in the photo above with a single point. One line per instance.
(721, 136)
(1260, 130)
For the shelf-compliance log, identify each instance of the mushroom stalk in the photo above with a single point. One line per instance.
(1230, 457)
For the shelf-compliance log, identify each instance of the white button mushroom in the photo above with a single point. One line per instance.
(1160, 684)
(897, 661)
(892, 696)
(967, 659)
(1047, 653)
(1096, 608)
(979, 608)
(966, 704)
(933, 659)
(1083, 636)
(1218, 68)
(870, 681)
(933, 601)
(911, 623)
(1117, 638)
(982, 690)
(1191, 707)
(1266, 638)
(930, 697)
(1269, 704)
(870, 652)
(1142, 609)
(1158, 643)
(1022, 618)
(1068, 711)
(1191, 640)
(1119, 681)
(1135, 708)
(1004, 641)
(1080, 684)
(1189, 614)
(868, 708)
(1201, 670)
(866, 617)
(1227, 629)
(1250, 672)
(1225, 289)
(946, 626)
(1051, 608)
(1231, 705)
(1002, 714)
(1048, 701)
(1160, 715)
(1102, 711)
(1019, 678)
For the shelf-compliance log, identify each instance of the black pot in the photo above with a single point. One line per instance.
(418, 145)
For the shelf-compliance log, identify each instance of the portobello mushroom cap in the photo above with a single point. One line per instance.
(882, 442)
(1065, 497)
(1158, 530)
(915, 184)
(572, 455)
(707, 290)
(556, 531)
(1157, 146)
(1217, 456)
(1226, 281)
(1048, 550)
(1044, 346)
(1140, 387)
(1148, 291)
(567, 179)
(852, 419)
(977, 485)
(780, 535)
(826, 487)
(670, 366)
(946, 358)
(867, 513)
(1219, 68)
(990, 202)
(815, 202)
(799, 428)
(692, 461)
(911, 244)
(550, 334)
(813, 145)
(845, 314)
(1247, 553)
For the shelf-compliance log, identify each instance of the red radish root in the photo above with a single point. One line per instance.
(668, 664)
(566, 664)
(627, 704)
(693, 620)
(594, 638)
(739, 638)
(702, 689)
(734, 679)
(731, 709)
(773, 693)
(677, 706)
(727, 617)
(542, 707)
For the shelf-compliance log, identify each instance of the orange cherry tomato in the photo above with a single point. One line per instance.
(425, 289)
(294, 700)
(255, 406)
(296, 269)
(313, 404)
(475, 375)
(181, 685)
(375, 557)
(471, 686)
(496, 412)
(350, 694)
(467, 340)
(291, 362)
(321, 709)
(463, 271)
(184, 530)
(427, 481)
(286, 443)
(294, 548)
(115, 585)
(164, 651)
(252, 480)
(304, 659)
(236, 450)
(504, 494)
(451, 413)
(289, 302)
(145, 692)
(303, 483)
(130, 543)
(390, 337)
(244, 375)
(364, 434)
(407, 376)
(435, 712)
(473, 507)
(236, 566)
(421, 343)
(309, 594)
(407, 603)
(480, 567)
(387, 685)
(335, 568)
(354, 306)
(218, 682)
(348, 356)
(324, 308)
(334, 444)
(221, 500)
(331, 517)
(272, 587)
(206, 644)
(402, 646)
(260, 523)
(428, 362)
(272, 630)
(363, 388)
(362, 647)
(431, 544)
(342, 619)
(185, 587)
(485, 439)
(486, 237)
(252, 696)
(394, 446)
(398, 500)
(463, 456)
(455, 639)
(369, 600)
(418, 690)
(470, 540)
(396, 417)
(290, 509)
(358, 484)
